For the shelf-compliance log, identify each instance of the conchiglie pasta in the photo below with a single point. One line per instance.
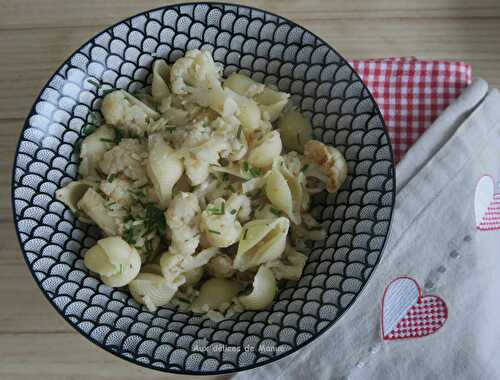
(261, 241)
(92, 150)
(153, 290)
(295, 130)
(71, 194)
(159, 86)
(248, 111)
(243, 85)
(93, 205)
(291, 265)
(269, 149)
(164, 168)
(285, 193)
(263, 292)
(115, 260)
(272, 103)
(217, 294)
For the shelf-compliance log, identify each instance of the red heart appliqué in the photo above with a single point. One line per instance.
(407, 314)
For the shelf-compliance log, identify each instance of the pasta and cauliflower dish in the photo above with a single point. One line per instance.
(201, 186)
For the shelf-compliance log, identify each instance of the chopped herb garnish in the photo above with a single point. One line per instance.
(213, 231)
(205, 125)
(304, 168)
(108, 140)
(238, 134)
(89, 129)
(254, 172)
(118, 136)
(233, 211)
(231, 188)
(77, 214)
(107, 91)
(121, 268)
(217, 211)
(171, 129)
(155, 220)
(93, 83)
(245, 234)
(225, 176)
(193, 188)
(275, 211)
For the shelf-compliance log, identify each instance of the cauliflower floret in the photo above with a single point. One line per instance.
(232, 132)
(219, 226)
(182, 218)
(118, 191)
(325, 164)
(292, 162)
(127, 158)
(239, 205)
(221, 266)
(126, 112)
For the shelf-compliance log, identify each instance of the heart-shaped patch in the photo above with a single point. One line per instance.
(487, 205)
(406, 314)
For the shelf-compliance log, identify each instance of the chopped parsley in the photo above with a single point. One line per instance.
(93, 83)
(171, 129)
(77, 214)
(154, 220)
(121, 268)
(217, 211)
(230, 188)
(254, 172)
(111, 141)
(245, 234)
(225, 176)
(88, 129)
(233, 211)
(304, 168)
(275, 211)
(214, 231)
(205, 124)
(238, 134)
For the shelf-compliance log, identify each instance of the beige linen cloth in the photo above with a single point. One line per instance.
(434, 240)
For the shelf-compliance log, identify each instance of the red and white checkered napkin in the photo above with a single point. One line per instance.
(411, 93)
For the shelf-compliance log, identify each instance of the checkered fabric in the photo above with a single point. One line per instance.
(411, 93)
(424, 318)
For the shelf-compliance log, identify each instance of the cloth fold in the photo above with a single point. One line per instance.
(434, 240)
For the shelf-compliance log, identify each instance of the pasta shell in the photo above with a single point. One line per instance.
(263, 292)
(243, 85)
(164, 168)
(216, 293)
(263, 155)
(153, 290)
(295, 130)
(92, 151)
(261, 241)
(93, 205)
(272, 103)
(291, 266)
(159, 87)
(115, 260)
(71, 194)
(285, 193)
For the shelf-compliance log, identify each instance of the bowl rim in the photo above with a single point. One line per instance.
(119, 353)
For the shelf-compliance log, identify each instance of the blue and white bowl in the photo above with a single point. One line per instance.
(270, 49)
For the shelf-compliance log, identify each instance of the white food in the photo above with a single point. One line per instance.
(197, 191)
